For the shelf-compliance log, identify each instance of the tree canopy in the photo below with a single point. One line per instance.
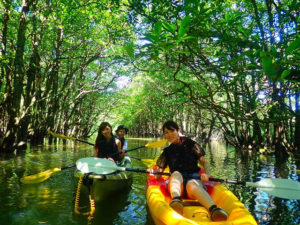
(225, 69)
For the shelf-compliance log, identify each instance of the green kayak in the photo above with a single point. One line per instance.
(104, 184)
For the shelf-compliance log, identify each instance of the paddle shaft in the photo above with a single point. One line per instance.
(117, 153)
(244, 183)
(71, 166)
(68, 167)
(196, 177)
(89, 143)
(227, 181)
(166, 174)
(283, 188)
(144, 171)
(86, 142)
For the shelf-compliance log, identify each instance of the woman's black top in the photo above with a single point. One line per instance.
(108, 149)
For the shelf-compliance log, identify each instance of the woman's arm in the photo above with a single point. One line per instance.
(121, 155)
(96, 151)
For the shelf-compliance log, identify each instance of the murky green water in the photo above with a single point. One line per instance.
(52, 202)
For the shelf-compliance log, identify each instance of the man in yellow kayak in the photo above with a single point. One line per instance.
(182, 157)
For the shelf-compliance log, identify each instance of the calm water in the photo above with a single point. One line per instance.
(52, 202)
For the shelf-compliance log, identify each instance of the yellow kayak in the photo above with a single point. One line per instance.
(158, 200)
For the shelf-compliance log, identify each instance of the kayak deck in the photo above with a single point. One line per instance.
(158, 200)
(101, 186)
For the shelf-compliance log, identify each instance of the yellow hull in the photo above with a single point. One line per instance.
(193, 213)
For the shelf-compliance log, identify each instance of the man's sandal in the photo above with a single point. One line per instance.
(177, 205)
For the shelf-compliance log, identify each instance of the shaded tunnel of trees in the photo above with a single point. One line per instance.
(222, 69)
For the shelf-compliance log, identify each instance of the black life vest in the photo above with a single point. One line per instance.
(108, 149)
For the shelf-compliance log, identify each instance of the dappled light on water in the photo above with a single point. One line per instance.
(52, 201)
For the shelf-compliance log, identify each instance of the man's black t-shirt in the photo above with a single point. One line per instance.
(181, 157)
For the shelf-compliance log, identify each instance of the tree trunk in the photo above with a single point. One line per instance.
(3, 41)
(297, 124)
(10, 143)
(278, 124)
(54, 99)
(32, 73)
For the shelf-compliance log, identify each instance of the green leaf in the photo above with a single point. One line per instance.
(166, 35)
(184, 26)
(150, 38)
(184, 38)
(269, 67)
(266, 61)
(129, 48)
(285, 73)
(227, 17)
(293, 46)
(169, 27)
(157, 28)
(187, 53)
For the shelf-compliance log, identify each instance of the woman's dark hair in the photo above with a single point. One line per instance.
(170, 125)
(100, 136)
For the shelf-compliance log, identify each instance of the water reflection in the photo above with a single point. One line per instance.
(109, 211)
(251, 166)
(52, 202)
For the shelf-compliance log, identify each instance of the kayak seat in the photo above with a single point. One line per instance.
(191, 203)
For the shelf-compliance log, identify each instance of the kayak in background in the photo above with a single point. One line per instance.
(106, 183)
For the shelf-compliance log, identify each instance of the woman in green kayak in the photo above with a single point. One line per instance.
(182, 157)
(107, 146)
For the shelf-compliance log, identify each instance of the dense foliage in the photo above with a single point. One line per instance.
(219, 68)
(58, 61)
(237, 63)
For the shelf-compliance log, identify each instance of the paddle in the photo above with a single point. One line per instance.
(42, 176)
(68, 137)
(282, 188)
(156, 144)
(86, 142)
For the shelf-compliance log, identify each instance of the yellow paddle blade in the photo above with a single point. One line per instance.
(149, 162)
(157, 144)
(40, 177)
(61, 136)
